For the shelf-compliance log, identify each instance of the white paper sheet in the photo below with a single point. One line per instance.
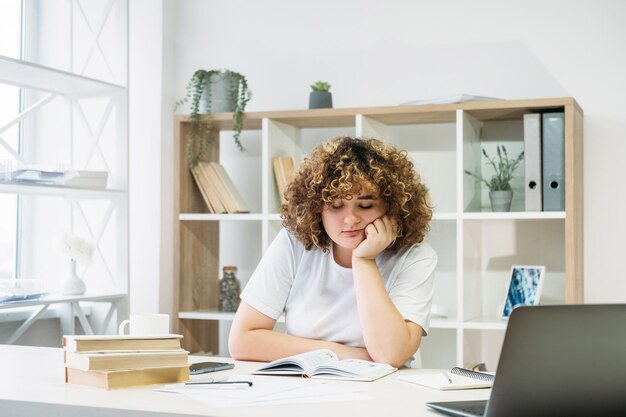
(266, 390)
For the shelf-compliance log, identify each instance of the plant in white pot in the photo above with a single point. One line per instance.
(208, 92)
(500, 192)
(320, 96)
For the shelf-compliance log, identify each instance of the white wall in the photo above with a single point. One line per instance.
(383, 53)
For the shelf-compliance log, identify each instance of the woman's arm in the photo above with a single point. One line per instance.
(252, 338)
(389, 338)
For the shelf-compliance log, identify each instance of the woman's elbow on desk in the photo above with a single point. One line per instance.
(247, 322)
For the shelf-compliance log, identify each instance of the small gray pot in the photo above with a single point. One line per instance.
(320, 100)
(501, 200)
(222, 97)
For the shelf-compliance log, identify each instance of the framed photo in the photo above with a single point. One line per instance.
(524, 287)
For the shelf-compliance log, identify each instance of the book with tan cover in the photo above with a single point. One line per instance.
(89, 361)
(283, 170)
(240, 205)
(205, 196)
(100, 343)
(205, 182)
(220, 188)
(127, 377)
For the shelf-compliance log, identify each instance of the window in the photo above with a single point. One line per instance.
(10, 107)
(63, 105)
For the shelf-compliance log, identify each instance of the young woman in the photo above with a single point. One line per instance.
(349, 271)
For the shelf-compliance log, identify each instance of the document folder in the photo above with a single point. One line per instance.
(532, 159)
(553, 162)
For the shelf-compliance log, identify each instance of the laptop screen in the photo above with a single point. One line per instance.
(562, 360)
(567, 360)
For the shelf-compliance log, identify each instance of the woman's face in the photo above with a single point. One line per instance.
(345, 219)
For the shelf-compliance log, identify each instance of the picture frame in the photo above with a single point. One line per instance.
(524, 287)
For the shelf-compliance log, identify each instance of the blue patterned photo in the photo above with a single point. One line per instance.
(524, 287)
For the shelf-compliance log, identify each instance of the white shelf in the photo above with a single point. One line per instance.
(28, 75)
(226, 316)
(211, 315)
(223, 217)
(485, 323)
(53, 298)
(59, 191)
(515, 215)
(441, 323)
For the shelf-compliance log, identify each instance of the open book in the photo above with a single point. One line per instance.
(323, 363)
(457, 378)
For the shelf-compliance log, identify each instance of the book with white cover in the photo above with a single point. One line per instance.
(324, 364)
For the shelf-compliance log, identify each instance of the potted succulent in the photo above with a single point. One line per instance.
(320, 96)
(210, 91)
(500, 192)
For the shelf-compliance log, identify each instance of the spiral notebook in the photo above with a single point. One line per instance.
(456, 378)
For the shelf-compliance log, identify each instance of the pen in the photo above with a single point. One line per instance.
(445, 374)
(249, 383)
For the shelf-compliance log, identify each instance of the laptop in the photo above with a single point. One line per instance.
(565, 360)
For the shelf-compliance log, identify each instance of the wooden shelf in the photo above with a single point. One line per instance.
(475, 248)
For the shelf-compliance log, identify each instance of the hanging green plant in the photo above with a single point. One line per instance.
(210, 91)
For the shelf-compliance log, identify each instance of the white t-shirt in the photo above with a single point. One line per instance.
(317, 295)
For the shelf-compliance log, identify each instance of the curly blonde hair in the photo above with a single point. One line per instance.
(337, 169)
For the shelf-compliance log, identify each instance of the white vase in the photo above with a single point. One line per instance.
(72, 285)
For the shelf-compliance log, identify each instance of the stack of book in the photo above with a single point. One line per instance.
(217, 188)
(113, 361)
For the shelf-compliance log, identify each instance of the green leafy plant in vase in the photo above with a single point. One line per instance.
(320, 96)
(500, 192)
(210, 91)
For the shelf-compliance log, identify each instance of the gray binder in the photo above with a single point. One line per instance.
(532, 162)
(553, 147)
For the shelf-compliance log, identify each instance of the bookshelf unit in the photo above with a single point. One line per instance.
(476, 247)
(74, 98)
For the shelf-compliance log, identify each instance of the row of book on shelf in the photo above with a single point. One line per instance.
(114, 361)
(544, 156)
(221, 195)
(217, 189)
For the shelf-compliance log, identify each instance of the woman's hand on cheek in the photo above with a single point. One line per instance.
(378, 236)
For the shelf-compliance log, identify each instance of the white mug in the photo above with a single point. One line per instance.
(146, 325)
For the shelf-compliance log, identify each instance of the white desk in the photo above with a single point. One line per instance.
(32, 384)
